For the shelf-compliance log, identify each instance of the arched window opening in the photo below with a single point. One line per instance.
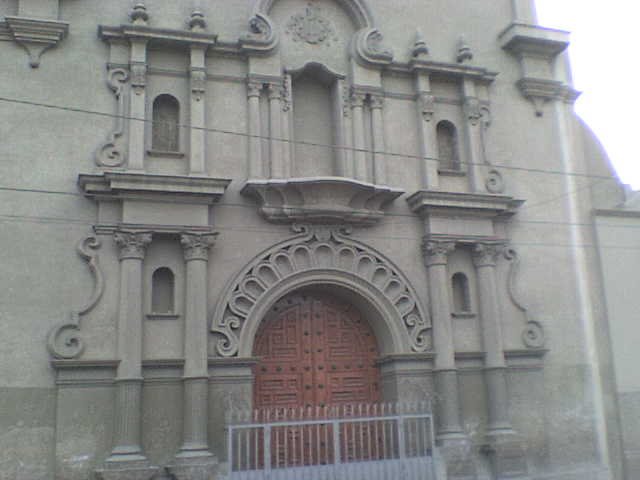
(163, 291)
(447, 146)
(166, 120)
(460, 293)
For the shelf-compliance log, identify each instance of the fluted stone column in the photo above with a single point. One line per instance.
(506, 448)
(456, 446)
(359, 155)
(256, 166)
(379, 147)
(127, 459)
(194, 461)
(275, 130)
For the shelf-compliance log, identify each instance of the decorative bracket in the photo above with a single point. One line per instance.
(64, 341)
(36, 35)
(261, 39)
(370, 49)
(110, 154)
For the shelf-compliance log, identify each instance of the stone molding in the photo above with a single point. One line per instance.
(426, 202)
(319, 255)
(132, 245)
(370, 50)
(154, 35)
(64, 341)
(142, 186)
(197, 246)
(327, 200)
(36, 35)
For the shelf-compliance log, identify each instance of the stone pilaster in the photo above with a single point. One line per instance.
(456, 446)
(425, 102)
(197, 157)
(127, 460)
(376, 103)
(473, 136)
(359, 155)
(274, 91)
(256, 166)
(194, 461)
(505, 449)
(286, 102)
(138, 100)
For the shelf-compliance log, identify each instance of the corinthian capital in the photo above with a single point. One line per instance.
(254, 88)
(486, 254)
(274, 90)
(132, 244)
(376, 101)
(197, 246)
(436, 253)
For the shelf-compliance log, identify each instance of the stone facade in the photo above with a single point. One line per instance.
(419, 160)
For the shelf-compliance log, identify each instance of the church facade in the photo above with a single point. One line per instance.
(215, 209)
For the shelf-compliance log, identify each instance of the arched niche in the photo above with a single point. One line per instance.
(328, 260)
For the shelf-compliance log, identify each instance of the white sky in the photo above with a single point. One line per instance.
(605, 55)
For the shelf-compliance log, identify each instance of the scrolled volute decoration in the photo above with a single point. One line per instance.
(329, 251)
(533, 334)
(261, 37)
(64, 341)
(494, 182)
(370, 49)
(111, 153)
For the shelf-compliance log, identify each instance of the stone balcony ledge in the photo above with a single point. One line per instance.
(328, 200)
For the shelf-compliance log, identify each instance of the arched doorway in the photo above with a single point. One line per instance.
(315, 350)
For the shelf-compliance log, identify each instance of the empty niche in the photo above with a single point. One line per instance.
(315, 91)
(163, 292)
(165, 132)
(447, 137)
(460, 293)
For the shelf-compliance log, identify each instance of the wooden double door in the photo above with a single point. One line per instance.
(315, 351)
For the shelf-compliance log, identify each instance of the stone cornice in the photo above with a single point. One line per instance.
(427, 202)
(522, 38)
(142, 186)
(446, 69)
(616, 212)
(110, 228)
(157, 35)
(36, 35)
(328, 200)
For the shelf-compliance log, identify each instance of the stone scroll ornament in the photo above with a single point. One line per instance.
(533, 334)
(64, 340)
(111, 153)
(326, 250)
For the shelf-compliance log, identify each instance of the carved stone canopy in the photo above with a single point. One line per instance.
(327, 200)
(463, 204)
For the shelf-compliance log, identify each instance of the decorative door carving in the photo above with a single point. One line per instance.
(315, 351)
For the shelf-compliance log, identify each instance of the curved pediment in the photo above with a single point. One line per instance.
(358, 10)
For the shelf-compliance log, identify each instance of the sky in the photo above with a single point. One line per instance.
(605, 59)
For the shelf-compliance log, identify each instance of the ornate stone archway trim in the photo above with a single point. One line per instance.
(319, 256)
(358, 11)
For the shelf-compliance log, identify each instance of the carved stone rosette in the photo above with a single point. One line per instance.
(197, 246)
(133, 245)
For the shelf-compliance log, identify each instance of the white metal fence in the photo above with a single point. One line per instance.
(346, 442)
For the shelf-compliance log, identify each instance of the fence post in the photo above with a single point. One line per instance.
(336, 442)
(267, 448)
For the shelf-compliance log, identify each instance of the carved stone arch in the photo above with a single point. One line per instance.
(358, 10)
(325, 259)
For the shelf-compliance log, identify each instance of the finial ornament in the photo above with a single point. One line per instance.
(139, 15)
(197, 22)
(464, 50)
(420, 48)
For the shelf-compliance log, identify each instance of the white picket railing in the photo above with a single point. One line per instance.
(346, 442)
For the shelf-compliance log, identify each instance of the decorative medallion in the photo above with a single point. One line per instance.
(311, 27)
